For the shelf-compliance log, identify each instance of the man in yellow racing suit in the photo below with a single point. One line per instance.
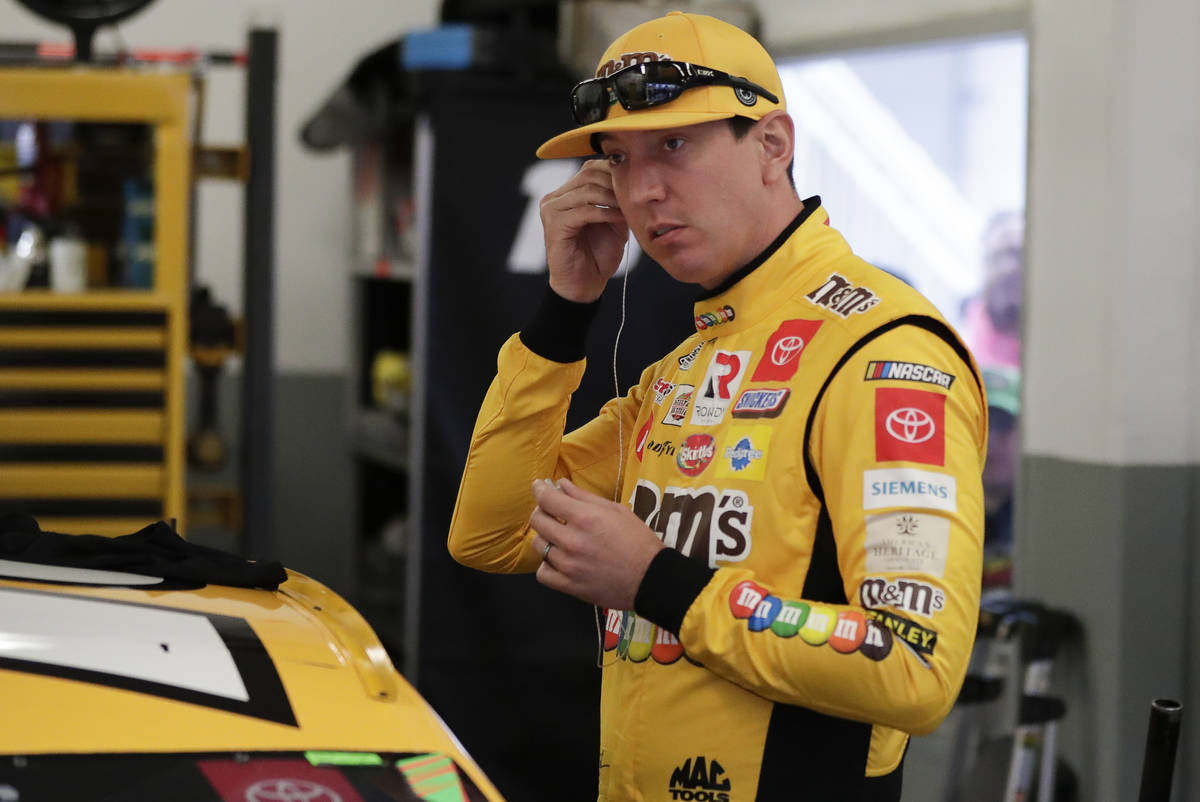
(782, 522)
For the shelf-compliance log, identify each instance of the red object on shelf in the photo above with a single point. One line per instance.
(65, 51)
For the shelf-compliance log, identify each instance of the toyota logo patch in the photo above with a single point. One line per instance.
(786, 349)
(783, 350)
(910, 425)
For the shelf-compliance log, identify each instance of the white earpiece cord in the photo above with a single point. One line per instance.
(620, 438)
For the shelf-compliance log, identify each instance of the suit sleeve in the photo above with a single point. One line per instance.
(900, 463)
(518, 438)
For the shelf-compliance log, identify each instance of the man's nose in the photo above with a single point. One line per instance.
(646, 183)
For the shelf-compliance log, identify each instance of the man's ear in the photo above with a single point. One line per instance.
(777, 135)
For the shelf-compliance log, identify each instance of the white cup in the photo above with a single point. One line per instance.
(68, 264)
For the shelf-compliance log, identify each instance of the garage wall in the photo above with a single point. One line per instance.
(1112, 442)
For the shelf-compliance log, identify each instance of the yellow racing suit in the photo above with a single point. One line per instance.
(812, 456)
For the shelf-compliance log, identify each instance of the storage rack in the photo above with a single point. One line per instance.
(92, 383)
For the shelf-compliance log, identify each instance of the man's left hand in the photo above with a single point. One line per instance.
(599, 550)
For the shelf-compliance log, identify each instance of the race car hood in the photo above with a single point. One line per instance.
(114, 668)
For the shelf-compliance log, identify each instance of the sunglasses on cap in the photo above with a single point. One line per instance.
(653, 83)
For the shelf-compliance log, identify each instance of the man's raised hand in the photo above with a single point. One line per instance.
(585, 233)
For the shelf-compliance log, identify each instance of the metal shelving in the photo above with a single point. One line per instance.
(92, 383)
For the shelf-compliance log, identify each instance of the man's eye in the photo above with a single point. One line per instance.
(614, 158)
(674, 143)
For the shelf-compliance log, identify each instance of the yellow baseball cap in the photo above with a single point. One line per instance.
(694, 39)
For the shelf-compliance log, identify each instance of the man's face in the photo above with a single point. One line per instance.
(693, 197)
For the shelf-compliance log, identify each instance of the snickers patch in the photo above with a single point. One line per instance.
(762, 402)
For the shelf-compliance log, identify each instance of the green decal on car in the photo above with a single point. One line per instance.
(433, 777)
(344, 759)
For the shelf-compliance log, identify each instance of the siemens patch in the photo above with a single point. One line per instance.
(909, 487)
(908, 371)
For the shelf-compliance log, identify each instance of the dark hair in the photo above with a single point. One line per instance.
(741, 126)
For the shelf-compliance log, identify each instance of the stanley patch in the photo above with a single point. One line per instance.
(922, 639)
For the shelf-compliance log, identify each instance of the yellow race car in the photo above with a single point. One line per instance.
(113, 688)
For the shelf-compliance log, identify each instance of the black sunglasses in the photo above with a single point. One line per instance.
(653, 83)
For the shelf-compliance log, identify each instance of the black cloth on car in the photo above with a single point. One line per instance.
(155, 550)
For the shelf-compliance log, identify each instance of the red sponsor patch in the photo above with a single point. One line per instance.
(745, 598)
(642, 437)
(909, 426)
(695, 453)
(781, 356)
(277, 779)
